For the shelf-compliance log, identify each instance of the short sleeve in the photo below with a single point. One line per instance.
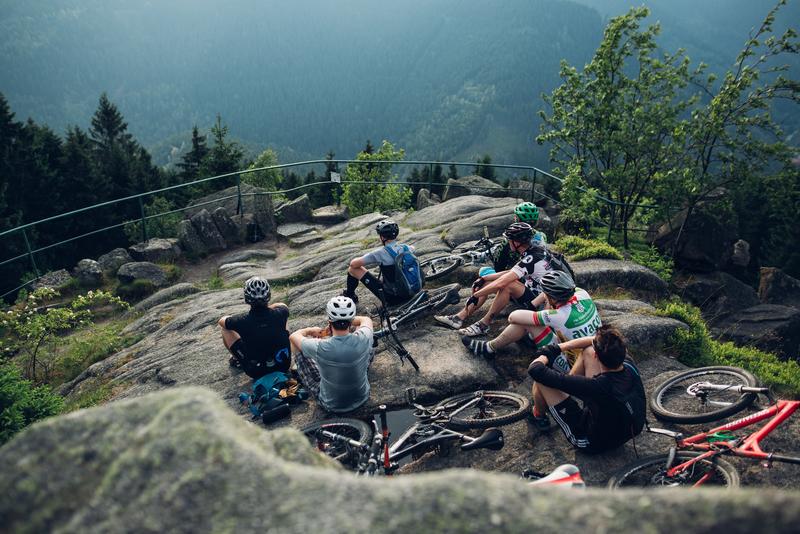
(283, 312)
(372, 258)
(364, 331)
(309, 346)
(234, 322)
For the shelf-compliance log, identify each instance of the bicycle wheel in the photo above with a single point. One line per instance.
(437, 267)
(500, 408)
(352, 428)
(679, 400)
(651, 472)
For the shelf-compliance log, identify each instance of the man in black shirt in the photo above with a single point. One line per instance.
(258, 340)
(605, 380)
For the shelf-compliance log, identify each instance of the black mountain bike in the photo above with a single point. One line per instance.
(367, 450)
(391, 318)
(481, 252)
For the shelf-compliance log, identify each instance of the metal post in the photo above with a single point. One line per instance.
(611, 224)
(144, 221)
(239, 206)
(533, 186)
(430, 179)
(30, 253)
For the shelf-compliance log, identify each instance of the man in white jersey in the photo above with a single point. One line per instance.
(570, 314)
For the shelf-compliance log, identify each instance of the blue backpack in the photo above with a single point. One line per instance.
(408, 276)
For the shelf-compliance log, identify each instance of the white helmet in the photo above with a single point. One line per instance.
(341, 309)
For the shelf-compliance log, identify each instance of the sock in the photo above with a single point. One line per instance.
(536, 412)
(373, 284)
(352, 284)
(479, 347)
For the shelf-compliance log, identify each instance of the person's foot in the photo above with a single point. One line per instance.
(233, 361)
(351, 296)
(478, 347)
(542, 423)
(475, 329)
(453, 321)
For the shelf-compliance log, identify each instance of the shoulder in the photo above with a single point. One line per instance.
(281, 310)
(363, 331)
(234, 320)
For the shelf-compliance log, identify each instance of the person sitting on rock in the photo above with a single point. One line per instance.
(391, 289)
(520, 283)
(607, 382)
(570, 314)
(258, 340)
(332, 363)
(505, 258)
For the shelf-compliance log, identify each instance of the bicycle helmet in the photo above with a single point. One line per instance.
(387, 228)
(341, 309)
(558, 285)
(527, 212)
(520, 232)
(256, 291)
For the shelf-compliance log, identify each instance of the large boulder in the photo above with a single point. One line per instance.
(166, 295)
(247, 228)
(297, 210)
(716, 294)
(111, 261)
(330, 215)
(631, 277)
(249, 255)
(53, 279)
(142, 270)
(777, 287)
(180, 461)
(254, 201)
(472, 185)
(190, 240)
(227, 228)
(704, 245)
(156, 250)
(457, 210)
(425, 199)
(207, 231)
(770, 327)
(88, 273)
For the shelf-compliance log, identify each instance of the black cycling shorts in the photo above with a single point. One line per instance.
(574, 422)
(525, 299)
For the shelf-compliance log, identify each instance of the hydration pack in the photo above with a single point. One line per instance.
(408, 277)
(634, 401)
(558, 262)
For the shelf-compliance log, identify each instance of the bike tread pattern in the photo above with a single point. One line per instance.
(520, 407)
(727, 473)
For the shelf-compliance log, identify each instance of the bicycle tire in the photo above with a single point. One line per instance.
(353, 428)
(671, 402)
(440, 266)
(515, 407)
(648, 472)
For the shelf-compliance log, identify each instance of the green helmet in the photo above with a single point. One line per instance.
(527, 212)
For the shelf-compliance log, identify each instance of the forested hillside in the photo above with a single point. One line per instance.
(445, 79)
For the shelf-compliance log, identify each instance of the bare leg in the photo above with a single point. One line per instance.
(510, 334)
(469, 310)
(551, 396)
(357, 272)
(501, 300)
(229, 337)
(591, 365)
(578, 367)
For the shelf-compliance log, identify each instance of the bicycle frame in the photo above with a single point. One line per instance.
(746, 447)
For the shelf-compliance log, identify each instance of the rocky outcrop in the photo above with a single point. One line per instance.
(704, 245)
(426, 199)
(770, 327)
(207, 231)
(249, 255)
(227, 228)
(165, 295)
(181, 461)
(88, 273)
(156, 250)
(113, 260)
(190, 240)
(254, 201)
(54, 279)
(330, 215)
(609, 274)
(716, 294)
(297, 210)
(777, 287)
(472, 185)
(142, 270)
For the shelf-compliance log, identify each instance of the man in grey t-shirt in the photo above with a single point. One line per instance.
(334, 368)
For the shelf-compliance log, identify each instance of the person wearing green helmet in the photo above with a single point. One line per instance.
(505, 258)
(527, 212)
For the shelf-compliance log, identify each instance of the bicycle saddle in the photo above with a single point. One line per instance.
(492, 438)
(566, 475)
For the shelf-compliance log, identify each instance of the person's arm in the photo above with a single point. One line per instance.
(222, 320)
(572, 344)
(278, 305)
(360, 320)
(499, 283)
(576, 385)
(296, 337)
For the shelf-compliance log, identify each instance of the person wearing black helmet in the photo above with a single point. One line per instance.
(520, 283)
(384, 258)
(258, 340)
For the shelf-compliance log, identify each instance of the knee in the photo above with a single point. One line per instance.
(520, 317)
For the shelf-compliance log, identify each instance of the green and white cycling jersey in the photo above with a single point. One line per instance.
(576, 319)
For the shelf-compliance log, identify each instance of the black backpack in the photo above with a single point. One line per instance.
(634, 401)
(558, 262)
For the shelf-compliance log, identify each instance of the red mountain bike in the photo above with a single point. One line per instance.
(702, 395)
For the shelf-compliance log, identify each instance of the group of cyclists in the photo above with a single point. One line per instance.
(575, 357)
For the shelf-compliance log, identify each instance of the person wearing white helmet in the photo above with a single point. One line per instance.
(258, 340)
(332, 362)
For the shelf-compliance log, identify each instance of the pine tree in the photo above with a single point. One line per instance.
(193, 159)
(452, 172)
(224, 157)
(108, 127)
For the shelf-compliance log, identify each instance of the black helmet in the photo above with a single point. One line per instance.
(558, 285)
(256, 291)
(520, 232)
(387, 228)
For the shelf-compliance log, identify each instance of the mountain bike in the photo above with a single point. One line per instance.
(483, 250)
(703, 395)
(391, 318)
(368, 451)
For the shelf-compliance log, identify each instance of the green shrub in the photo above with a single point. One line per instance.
(89, 396)
(579, 248)
(696, 348)
(652, 259)
(215, 282)
(172, 271)
(136, 290)
(21, 403)
(159, 225)
(91, 346)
